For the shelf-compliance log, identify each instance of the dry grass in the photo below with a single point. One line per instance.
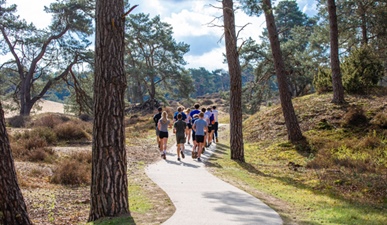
(70, 172)
(72, 131)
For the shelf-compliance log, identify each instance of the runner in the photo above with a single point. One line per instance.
(179, 110)
(195, 144)
(216, 124)
(156, 119)
(209, 115)
(163, 125)
(179, 129)
(207, 119)
(195, 111)
(189, 126)
(200, 127)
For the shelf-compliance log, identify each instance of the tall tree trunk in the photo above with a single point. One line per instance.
(338, 90)
(109, 187)
(362, 9)
(25, 107)
(13, 210)
(236, 135)
(292, 126)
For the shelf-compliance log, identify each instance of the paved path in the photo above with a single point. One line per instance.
(203, 199)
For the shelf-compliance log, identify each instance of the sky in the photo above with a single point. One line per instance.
(190, 20)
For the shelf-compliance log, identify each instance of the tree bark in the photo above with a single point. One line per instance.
(236, 135)
(109, 187)
(13, 210)
(292, 126)
(337, 85)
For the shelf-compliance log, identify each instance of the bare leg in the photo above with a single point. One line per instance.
(178, 150)
(200, 147)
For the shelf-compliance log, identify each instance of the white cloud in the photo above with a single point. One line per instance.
(211, 60)
(32, 11)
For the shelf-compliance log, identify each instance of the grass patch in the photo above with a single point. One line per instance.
(138, 198)
(276, 172)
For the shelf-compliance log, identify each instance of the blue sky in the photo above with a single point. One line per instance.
(189, 19)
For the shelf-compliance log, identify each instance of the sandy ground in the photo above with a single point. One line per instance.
(43, 106)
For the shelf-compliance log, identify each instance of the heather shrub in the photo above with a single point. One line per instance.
(71, 130)
(49, 120)
(73, 172)
(82, 157)
(370, 142)
(36, 135)
(46, 133)
(354, 117)
(380, 120)
(34, 143)
(37, 155)
(17, 121)
(19, 151)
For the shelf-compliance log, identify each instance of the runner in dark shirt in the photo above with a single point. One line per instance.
(156, 119)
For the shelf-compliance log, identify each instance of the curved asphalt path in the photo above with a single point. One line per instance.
(203, 199)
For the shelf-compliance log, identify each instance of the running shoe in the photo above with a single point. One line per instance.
(164, 156)
(178, 159)
(199, 160)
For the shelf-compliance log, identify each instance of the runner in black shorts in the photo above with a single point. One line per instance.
(195, 144)
(163, 125)
(200, 126)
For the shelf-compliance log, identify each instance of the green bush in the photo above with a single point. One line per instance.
(322, 81)
(361, 70)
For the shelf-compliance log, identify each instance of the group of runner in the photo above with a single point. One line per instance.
(199, 124)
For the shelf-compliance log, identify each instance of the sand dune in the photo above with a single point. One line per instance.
(43, 106)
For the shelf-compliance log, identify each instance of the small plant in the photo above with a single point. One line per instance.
(380, 120)
(322, 81)
(324, 125)
(354, 117)
(70, 172)
(42, 155)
